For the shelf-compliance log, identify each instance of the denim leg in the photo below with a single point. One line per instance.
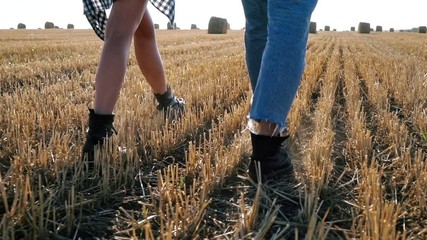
(283, 58)
(255, 36)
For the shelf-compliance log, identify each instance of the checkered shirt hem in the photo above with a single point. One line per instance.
(95, 12)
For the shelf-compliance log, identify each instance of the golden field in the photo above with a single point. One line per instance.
(358, 140)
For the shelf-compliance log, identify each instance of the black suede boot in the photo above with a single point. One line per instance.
(170, 105)
(100, 129)
(273, 158)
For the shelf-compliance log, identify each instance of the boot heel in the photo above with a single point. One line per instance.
(171, 106)
(273, 159)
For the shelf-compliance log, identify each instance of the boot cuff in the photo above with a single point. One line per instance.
(254, 127)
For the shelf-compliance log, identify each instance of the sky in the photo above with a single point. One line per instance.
(338, 14)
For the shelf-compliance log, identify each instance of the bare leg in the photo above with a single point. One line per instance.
(148, 56)
(125, 17)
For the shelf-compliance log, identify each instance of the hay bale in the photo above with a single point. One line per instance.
(327, 28)
(391, 29)
(217, 25)
(170, 26)
(21, 26)
(379, 29)
(70, 26)
(156, 26)
(194, 26)
(422, 29)
(49, 25)
(364, 27)
(352, 29)
(313, 27)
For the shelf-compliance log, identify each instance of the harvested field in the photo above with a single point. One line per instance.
(358, 139)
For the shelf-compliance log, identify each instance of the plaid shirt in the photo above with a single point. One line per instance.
(97, 17)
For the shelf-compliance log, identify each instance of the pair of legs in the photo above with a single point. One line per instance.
(275, 40)
(129, 20)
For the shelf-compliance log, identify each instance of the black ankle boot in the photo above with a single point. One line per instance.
(272, 157)
(170, 105)
(100, 129)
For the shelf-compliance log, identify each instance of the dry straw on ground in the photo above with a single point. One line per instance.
(358, 142)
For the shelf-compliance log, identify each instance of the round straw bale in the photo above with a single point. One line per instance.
(313, 27)
(70, 26)
(379, 29)
(364, 27)
(327, 28)
(170, 26)
(21, 26)
(352, 29)
(422, 29)
(391, 29)
(194, 26)
(156, 26)
(217, 25)
(49, 25)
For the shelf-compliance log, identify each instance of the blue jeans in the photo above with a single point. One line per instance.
(275, 40)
